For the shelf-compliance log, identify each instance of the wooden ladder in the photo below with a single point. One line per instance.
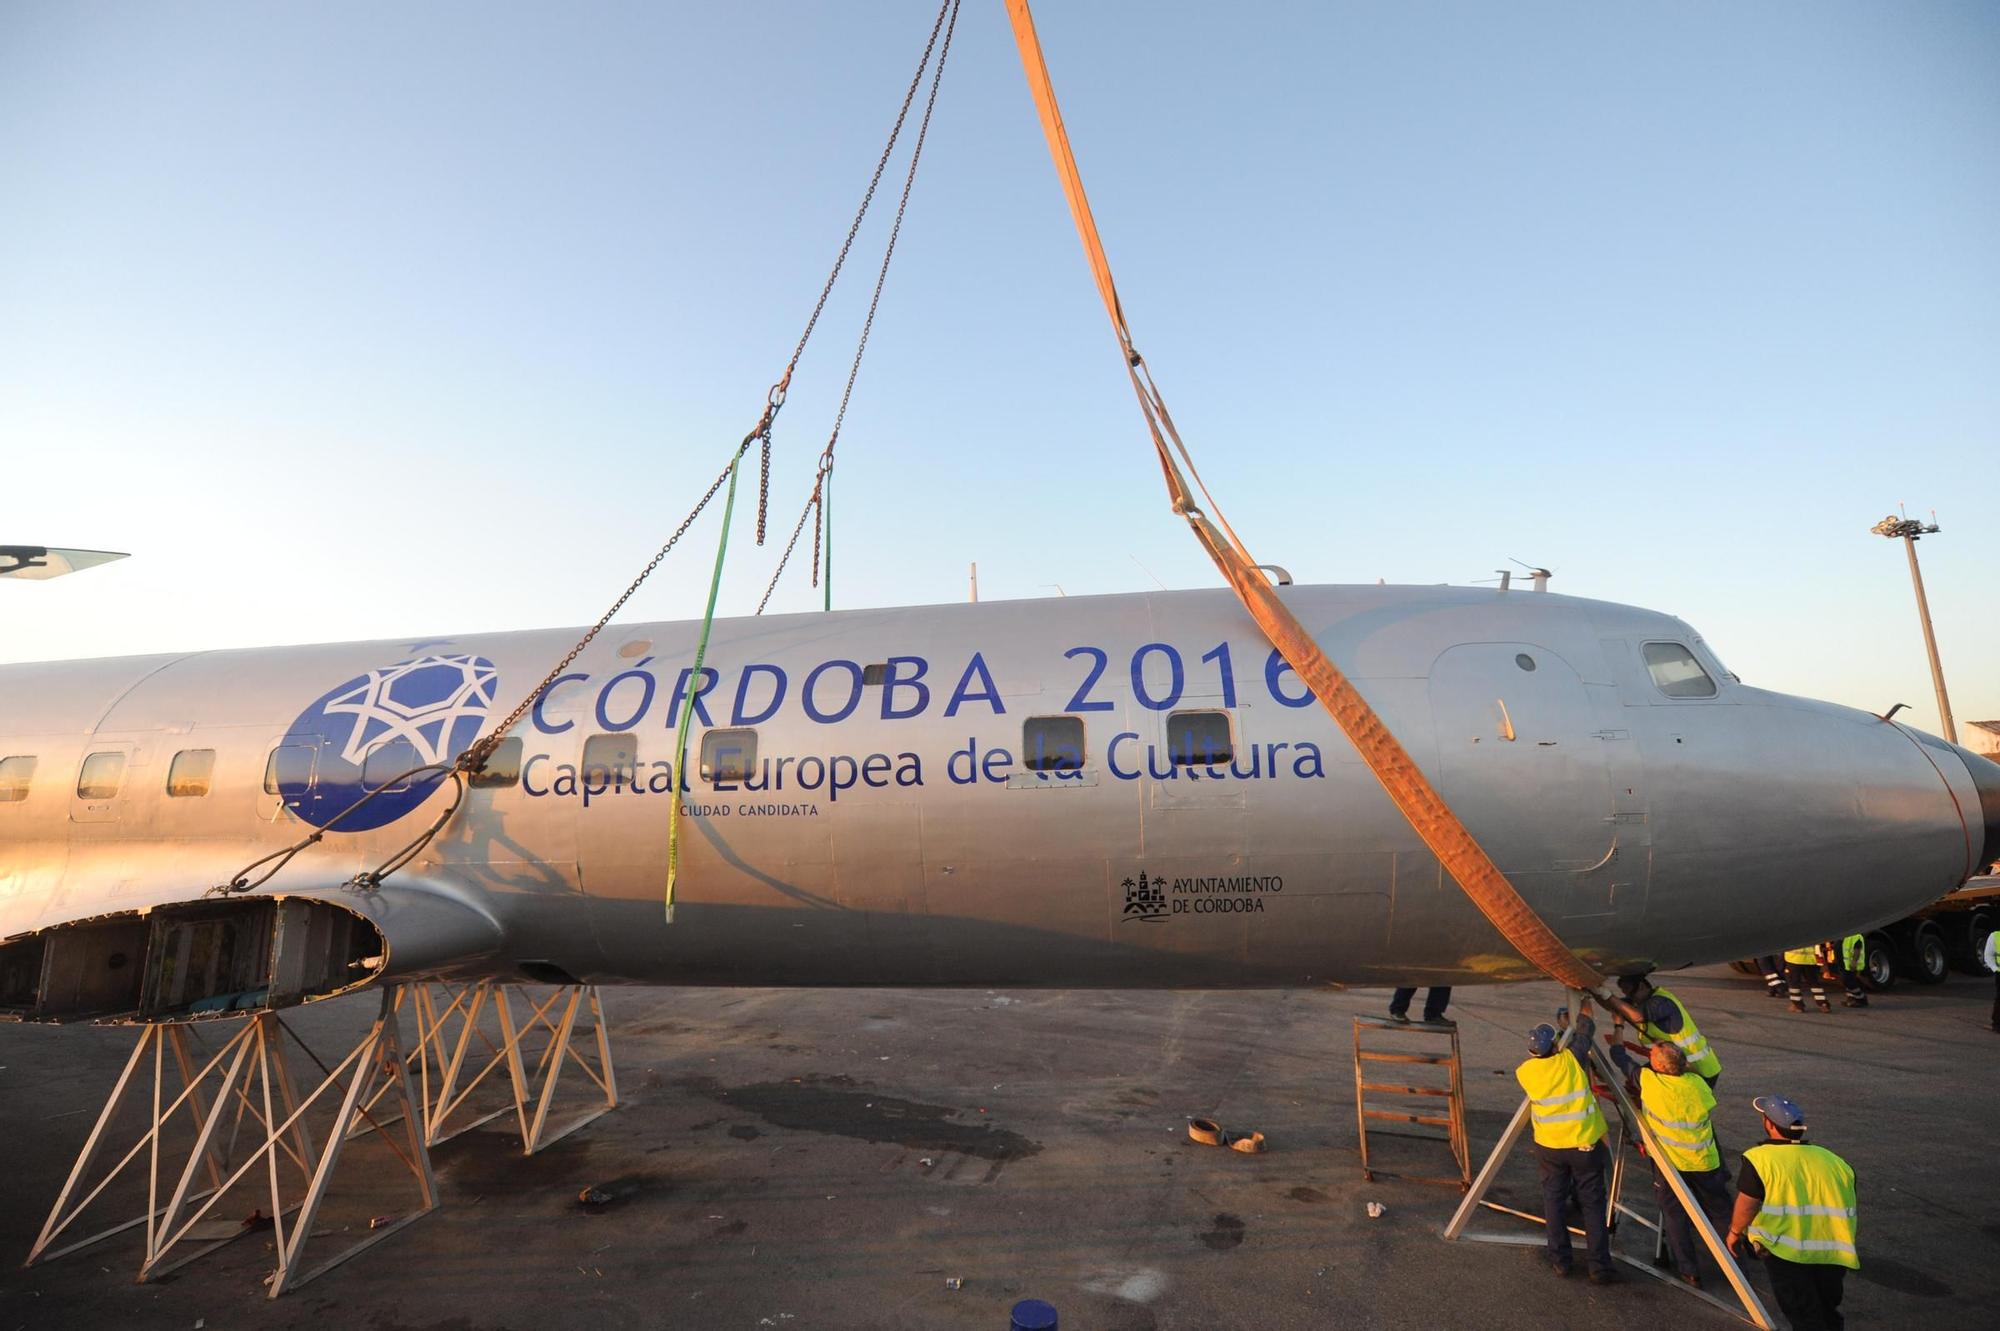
(1408, 1086)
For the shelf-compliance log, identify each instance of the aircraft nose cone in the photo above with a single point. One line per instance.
(1986, 776)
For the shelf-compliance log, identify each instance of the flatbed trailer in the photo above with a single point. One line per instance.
(1925, 947)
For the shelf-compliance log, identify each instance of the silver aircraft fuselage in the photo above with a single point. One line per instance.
(1084, 792)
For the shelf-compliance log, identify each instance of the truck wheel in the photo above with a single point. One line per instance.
(1969, 942)
(1878, 972)
(1929, 961)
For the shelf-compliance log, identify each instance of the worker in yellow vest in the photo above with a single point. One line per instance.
(1795, 1206)
(1569, 1145)
(1677, 1105)
(1843, 959)
(1990, 954)
(1802, 973)
(1663, 1019)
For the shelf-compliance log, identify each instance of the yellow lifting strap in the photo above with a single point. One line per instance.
(1405, 783)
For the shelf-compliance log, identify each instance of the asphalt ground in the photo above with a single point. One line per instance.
(842, 1158)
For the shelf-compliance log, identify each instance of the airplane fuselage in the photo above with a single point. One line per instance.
(1082, 792)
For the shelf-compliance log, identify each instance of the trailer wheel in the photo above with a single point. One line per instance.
(1928, 958)
(1746, 968)
(1969, 952)
(1878, 972)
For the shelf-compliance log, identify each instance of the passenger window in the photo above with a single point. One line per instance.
(728, 755)
(502, 769)
(1198, 739)
(1675, 671)
(388, 764)
(1052, 744)
(15, 775)
(101, 776)
(606, 756)
(289, 765)
(878, 673)
(191, 773)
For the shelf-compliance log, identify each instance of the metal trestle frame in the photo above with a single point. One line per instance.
(465, 1033)
(1748, 1306)
(244, 1111)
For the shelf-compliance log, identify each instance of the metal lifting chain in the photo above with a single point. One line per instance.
(815, 502)
(476, 755)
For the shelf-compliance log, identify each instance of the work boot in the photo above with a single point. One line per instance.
(1854, 1000)
(1403, 1017)
(1603, 1277)
(1774, 991)
(1798, 1005)
(1823, 1005)
(1439, 1021)
(1691, 1278)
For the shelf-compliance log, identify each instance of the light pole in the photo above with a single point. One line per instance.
(1910, 530)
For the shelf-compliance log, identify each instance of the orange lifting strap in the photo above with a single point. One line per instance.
(1427, 812)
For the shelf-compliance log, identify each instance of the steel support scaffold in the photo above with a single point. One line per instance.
(239, 1116)
(1748, 1307)
(467, 1033)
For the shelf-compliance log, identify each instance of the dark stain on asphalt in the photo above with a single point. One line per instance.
(730, 1230)
(1303, 1194)
(1903, 1279)
(743, 1132)
(833, 1105)
(486, 1160)
(1226, 1233)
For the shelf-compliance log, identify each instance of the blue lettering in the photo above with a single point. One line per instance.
(846, 708)
(892, 680)
(990, 694)
(1228, 673)
(738, 715)
(1176, 676)
(709, 679)
(528, 774)
(1079, 701)
(1275, 668)
(542, 722)
(647, 684)
(1111, 756)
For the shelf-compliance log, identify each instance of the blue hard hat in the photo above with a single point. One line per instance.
(1542, 1040)
(1782, 1110)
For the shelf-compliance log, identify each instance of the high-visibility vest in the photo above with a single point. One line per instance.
(1801, 956)
(1676, 1108)
(1700, 1057)
(1854, 952)
(1808, 1211)
(1561, 1106)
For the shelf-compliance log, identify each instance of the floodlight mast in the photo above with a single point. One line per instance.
(1911, 530)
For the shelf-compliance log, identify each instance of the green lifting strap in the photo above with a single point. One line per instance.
(679, 777)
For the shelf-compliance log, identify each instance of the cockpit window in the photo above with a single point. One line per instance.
(1675, 672)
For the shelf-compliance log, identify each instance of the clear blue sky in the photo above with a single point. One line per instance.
(375, 321)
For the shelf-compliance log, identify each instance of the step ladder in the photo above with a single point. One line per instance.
(1413, 1094)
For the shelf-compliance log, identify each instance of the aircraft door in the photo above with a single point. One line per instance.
(1522, 764)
